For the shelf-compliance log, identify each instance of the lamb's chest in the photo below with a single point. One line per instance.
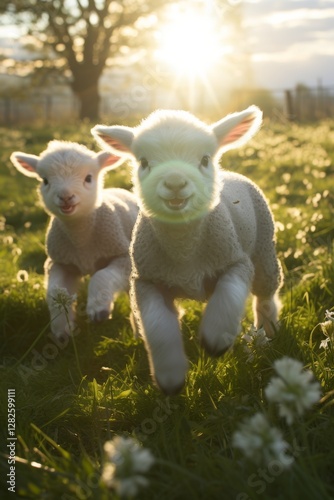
(87, 261)
(185, 279)
(186, 259)
(87, 257)
(93, 260)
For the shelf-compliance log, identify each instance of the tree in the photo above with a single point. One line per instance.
(83, 35)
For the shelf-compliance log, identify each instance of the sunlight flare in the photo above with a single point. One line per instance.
(190, 44)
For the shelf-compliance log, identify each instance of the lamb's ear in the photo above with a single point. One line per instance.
(117, 138)
(108, 160)
(25, 163)
(236, 129)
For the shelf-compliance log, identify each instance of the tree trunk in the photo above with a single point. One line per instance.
(85, 85)
(89, 99)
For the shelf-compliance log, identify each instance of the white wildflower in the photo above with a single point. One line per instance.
(126, 462)
(2, 223)
(293, 389)
(329, 315)
(8, 240)
(324, 343)
(22, 275)
(327, 328)
(260, 442)
(62, 299)
(254, 341)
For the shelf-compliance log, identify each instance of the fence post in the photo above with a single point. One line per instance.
(48, 108)
(289, 108)
(7, 111)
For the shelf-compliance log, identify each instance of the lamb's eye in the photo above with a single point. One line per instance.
(45, 181)
(89, 178)
(143, 163)
(205, 161)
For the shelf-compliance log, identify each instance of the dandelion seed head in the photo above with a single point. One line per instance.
(62, 299)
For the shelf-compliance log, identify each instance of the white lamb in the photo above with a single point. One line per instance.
(202, 234)
(89, 231)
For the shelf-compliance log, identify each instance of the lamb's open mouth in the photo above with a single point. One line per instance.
(176, 203)
(67, 209)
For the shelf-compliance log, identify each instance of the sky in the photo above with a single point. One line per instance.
(290, 41)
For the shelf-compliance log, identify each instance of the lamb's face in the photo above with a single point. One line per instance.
(70, 175)
(70, 183)
(174, 176)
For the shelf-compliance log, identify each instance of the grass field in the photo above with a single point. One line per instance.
(71, 399)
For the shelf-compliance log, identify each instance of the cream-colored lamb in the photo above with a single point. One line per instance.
(202, 234)
(89, 231)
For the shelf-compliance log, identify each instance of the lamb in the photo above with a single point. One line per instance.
(90, 228)
(201, 234)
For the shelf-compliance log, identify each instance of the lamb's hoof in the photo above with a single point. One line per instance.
(64, 334)
(100, 316)
(170, 390)
(61, 338)
(214, 351)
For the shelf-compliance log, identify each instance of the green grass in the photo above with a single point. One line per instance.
(71, 399)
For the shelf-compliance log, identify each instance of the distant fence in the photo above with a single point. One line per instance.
(302, 104)
(309, 104)
(38, 109)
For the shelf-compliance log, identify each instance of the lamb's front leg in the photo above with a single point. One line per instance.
(266, 311)
(158, 324)
(57, 279)
(221, 319)
(104, 285)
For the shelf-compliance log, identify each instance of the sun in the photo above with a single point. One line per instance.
(189, 44)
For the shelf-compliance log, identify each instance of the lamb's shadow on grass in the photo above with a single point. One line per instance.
(74, 386)
(35, 362)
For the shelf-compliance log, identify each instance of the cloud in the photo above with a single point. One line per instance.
(290, 41)
(291, 18)
(298, 51)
